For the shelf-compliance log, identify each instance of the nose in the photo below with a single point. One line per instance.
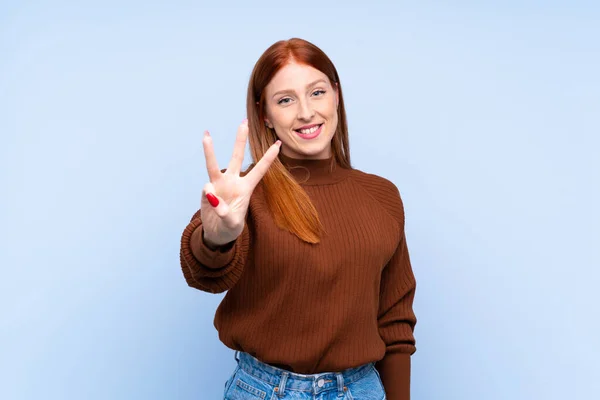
(305, 111)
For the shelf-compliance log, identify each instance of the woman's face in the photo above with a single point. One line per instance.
(301, 105)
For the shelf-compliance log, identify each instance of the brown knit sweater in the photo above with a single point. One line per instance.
(324, 307)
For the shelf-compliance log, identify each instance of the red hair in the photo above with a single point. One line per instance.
(289, 204)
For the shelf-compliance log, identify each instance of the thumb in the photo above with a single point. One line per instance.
(215, 202)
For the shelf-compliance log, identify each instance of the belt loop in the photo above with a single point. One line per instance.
(281, 388)
(237, 358)
(340, 382)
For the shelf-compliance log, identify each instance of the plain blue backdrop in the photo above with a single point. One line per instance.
(484, 114)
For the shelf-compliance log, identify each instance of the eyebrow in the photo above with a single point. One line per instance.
(307, 86)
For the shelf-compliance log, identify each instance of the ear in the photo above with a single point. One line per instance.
(268, 123)
(337, 95)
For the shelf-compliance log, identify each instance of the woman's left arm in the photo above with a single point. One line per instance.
(396, 319)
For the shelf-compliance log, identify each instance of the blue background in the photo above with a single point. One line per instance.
(484, 114)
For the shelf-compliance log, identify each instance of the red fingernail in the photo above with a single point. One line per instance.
(212, 199)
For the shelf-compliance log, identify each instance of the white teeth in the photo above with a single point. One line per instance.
(309, 131)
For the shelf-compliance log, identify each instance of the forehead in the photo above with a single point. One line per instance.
(294, 76)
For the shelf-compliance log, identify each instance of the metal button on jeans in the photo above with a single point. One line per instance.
(321, 382)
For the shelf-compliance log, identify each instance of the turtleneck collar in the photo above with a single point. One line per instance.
(314, 172)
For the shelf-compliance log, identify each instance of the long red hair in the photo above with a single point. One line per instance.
(289, 204)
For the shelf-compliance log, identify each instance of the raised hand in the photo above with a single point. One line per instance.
(225, 198)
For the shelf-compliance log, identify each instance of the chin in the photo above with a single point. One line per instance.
(314, 153)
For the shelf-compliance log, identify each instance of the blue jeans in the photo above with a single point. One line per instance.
(254, 380)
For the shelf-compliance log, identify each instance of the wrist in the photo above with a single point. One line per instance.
(208, 243)
(215, 246)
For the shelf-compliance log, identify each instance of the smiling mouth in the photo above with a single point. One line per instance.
(309, 130)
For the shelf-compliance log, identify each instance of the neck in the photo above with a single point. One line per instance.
(314, 172)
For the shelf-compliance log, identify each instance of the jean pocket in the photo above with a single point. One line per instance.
(228, 381)
(369, 387)
(244, 386)
(380, 381)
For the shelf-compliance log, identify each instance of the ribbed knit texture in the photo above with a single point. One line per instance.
(324, 307)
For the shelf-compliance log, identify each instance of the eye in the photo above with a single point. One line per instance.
(319, 91)
(285, 100)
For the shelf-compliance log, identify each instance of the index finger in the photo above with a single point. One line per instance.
(262, 166)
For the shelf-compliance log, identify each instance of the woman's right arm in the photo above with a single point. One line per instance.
(210, 269)
(215, 244)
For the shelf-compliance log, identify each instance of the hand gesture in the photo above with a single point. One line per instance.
(225, 198)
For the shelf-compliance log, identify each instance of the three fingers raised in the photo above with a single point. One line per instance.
(235, 165)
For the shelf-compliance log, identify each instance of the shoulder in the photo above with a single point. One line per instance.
(375, 181)
(383, 191)
(378, 184)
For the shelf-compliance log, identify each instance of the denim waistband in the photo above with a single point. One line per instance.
(284, 379)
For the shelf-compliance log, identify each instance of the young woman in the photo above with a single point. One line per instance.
(312, 253)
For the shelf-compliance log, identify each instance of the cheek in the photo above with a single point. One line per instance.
(333, 107)
(277, 117)
(286, 119)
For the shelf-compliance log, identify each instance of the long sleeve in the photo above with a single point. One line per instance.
(212, 271)
(396, 320)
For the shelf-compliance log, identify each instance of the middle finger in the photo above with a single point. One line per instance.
(235, 165)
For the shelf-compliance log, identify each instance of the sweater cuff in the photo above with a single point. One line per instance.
(394, 370)
(196, 248)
